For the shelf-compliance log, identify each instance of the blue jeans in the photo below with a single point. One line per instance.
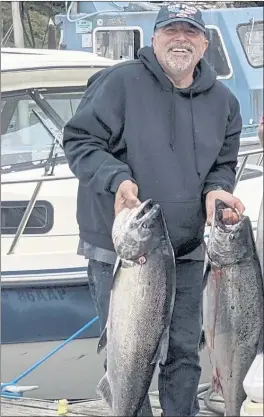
(179, 377)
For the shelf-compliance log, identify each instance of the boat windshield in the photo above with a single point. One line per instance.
(30, 122)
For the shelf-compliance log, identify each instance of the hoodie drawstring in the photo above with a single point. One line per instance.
(172, 139)
(193, 135)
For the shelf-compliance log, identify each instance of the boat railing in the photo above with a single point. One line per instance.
(244, 155)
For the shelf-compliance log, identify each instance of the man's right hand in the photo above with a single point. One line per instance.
(126, 196)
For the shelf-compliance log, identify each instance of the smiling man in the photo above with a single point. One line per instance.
(179, 42)
(159, 127)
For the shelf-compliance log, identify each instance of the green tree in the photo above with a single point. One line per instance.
(35, 18)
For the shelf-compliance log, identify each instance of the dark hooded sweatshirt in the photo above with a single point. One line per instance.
(176, 144)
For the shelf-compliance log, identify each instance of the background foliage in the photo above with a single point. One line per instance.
(36, 16)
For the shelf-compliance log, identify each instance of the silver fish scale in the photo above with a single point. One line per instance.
(259, 240)
(144, 290)
(233, 323)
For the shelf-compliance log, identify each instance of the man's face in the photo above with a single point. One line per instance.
(179, 47)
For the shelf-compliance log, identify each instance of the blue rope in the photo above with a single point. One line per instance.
(11, 395)
(44, 358)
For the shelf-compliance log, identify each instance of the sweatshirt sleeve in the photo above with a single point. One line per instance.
(223, 173)
(94, 134)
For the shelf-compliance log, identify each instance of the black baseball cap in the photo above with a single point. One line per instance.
(180, 13)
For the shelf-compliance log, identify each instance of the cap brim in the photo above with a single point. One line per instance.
(180, 19)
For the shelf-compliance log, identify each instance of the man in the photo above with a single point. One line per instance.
(159, 127)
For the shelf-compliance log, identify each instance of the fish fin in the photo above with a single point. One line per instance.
(202, 341)
(207, 269)
(104, 390)
(162, 350)
(260, 347)
(117, 265)
(103, 338)
(102, 341)
(164, 346)
(146, 409)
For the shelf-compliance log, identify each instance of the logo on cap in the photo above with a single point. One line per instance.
(182, 10)
(174, 9)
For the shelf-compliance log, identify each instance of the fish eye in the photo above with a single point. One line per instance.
(231, 236)
(144, 226)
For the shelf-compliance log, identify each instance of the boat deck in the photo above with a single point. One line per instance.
(92, 408)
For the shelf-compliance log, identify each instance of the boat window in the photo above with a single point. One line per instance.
(216, 54)
(64, 103)
(24, 138)
(251, 38)
(40, 221)
(117, 43)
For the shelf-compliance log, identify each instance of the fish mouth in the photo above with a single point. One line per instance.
(147, 212)
(220, 206)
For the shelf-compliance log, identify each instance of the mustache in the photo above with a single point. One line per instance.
(179, 45)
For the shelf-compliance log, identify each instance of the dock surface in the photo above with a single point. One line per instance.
(91, 408)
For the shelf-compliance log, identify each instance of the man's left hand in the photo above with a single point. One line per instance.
(230, 216)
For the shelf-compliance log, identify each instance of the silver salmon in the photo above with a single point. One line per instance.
(142, 300)
(233, 306)
(259, 238)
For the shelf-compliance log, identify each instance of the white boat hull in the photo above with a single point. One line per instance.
(72, 373)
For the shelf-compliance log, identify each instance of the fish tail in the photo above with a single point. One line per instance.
(104, 390)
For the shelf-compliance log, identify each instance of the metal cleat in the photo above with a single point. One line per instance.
(16, 391)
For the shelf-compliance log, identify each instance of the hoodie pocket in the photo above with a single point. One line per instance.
(95, 212)
(185, 221)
